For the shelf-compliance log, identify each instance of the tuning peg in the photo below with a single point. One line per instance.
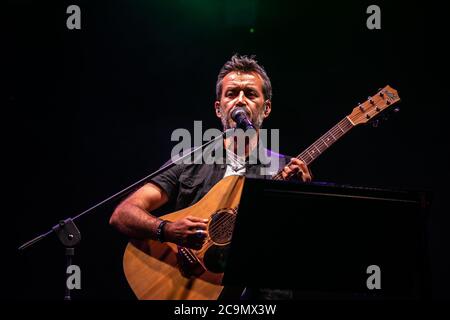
(397, 109)
(360, 106)
(375, 123)
(381, 94)
(370, 100)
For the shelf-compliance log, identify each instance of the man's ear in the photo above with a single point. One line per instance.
(217, 107)
(267, 108)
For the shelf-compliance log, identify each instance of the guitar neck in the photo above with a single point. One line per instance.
(323, 143)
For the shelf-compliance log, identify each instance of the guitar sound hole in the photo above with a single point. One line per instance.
(221, 226)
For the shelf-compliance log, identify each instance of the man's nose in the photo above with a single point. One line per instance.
(241, 98)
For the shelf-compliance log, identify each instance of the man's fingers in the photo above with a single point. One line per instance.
(306, 177)
(195, 219)
(197, 233)
(297, 166)
(286, 173)
(197, 225)
(303, 167)
(303, 172)
(287, 170)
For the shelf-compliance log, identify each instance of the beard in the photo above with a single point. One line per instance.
(228, 123)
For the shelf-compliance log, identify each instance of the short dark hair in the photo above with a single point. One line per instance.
(244, 64)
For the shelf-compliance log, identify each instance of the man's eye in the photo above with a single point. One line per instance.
(230, 94)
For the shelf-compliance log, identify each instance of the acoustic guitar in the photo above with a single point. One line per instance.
(161, 271)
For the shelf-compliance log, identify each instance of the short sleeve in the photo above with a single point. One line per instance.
(169, 180)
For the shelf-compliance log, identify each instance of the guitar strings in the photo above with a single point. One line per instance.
(219, 222)
(337, 132)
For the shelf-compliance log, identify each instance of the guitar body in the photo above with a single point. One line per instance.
(165, 271)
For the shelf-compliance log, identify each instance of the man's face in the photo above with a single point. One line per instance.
(242, 90)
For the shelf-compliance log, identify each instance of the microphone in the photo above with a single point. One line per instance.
(240, 117)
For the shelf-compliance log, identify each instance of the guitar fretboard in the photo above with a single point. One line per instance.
(323, 143)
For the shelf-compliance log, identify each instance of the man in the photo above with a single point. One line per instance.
(243, 83)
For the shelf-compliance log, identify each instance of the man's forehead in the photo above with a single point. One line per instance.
(242, 78)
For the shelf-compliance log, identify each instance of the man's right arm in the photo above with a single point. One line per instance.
(132, 217)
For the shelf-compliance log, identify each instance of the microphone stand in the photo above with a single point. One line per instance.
(68, 233)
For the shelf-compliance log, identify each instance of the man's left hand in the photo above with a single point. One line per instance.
(296, 168)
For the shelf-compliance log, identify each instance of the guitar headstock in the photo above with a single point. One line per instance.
(374, 105)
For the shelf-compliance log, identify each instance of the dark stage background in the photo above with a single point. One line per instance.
(90, 111)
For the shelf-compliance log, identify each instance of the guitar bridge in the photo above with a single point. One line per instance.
(188, 263)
